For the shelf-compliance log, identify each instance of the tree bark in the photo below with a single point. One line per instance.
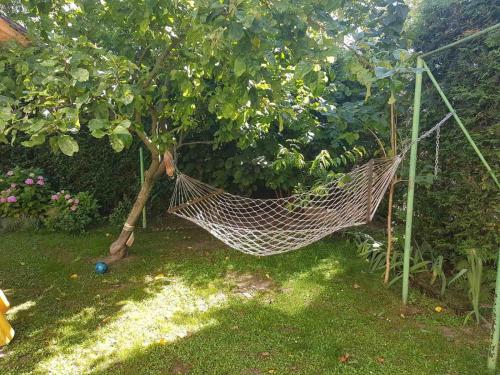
(119, 248)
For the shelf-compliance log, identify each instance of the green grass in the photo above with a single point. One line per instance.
(182, 303)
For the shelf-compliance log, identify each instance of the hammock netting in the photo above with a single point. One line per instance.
(273, 226)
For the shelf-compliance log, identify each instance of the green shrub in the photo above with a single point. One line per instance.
(120, 212)
(459, 211)
(96, 168)
(70, 213)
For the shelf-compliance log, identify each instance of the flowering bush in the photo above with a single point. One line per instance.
(71, 213)
(25, 197)
(23, 193)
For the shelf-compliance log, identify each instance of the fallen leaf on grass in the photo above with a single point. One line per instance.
(74, 276)
(344, 358)
(356, 286)
(381, 360)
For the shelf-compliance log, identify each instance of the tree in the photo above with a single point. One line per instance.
(179, 73)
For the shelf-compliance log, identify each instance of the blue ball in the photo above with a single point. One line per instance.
(101, 267)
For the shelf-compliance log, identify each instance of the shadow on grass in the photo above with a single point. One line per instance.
(65, 312)
(171, 308)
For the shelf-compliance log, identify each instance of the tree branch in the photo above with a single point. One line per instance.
(195, 143)
(160, 60)
(145, 139)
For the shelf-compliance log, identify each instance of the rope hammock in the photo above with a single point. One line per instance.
(273, 226)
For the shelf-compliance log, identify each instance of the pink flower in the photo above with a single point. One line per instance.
(76, 201)
(10, 173)
(73, 208)
(70, 200)
(67, 196)
(3, 200)
(40, 178)
(55, 197)
(40, 182)
(11, 199)
(29, 181)
(13, 186)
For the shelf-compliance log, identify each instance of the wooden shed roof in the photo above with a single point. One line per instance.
(10, 30)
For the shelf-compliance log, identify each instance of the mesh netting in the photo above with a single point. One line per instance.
(273, 226)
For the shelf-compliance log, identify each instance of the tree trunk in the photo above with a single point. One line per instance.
(119, 247)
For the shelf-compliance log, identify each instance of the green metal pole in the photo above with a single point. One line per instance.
(411, 179)
(495, 331)
(141, 163)
(461, 125)
(467, 38)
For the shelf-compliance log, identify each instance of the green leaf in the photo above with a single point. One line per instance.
(125, 95)
(98, 124)
(54, 146)
(5, 113)
(116, 142)
(98, 133)
(401, 54)
(124, 123)
(239, 66)
(80, 74)
(121, 130)
(35, 140)
(67, 145)
(302, 68)
(381, 72)
(235, 32)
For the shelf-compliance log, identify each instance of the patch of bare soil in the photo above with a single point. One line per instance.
(181, 368)
(248, 285)
(410, 310)
(252, 371)
(459, 334)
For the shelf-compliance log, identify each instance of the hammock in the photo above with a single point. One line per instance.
(273, 226)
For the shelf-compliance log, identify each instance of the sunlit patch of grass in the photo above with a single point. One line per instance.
(12, 312)
(188, 304)
(138, 324)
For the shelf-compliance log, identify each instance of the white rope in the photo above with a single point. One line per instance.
(272, 226)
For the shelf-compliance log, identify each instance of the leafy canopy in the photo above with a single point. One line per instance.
(163, 68)
(259, 75)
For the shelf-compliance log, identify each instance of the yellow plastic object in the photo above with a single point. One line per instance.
(4, 303)
(6, 331)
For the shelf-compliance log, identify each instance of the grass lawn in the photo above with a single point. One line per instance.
(183, 303)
